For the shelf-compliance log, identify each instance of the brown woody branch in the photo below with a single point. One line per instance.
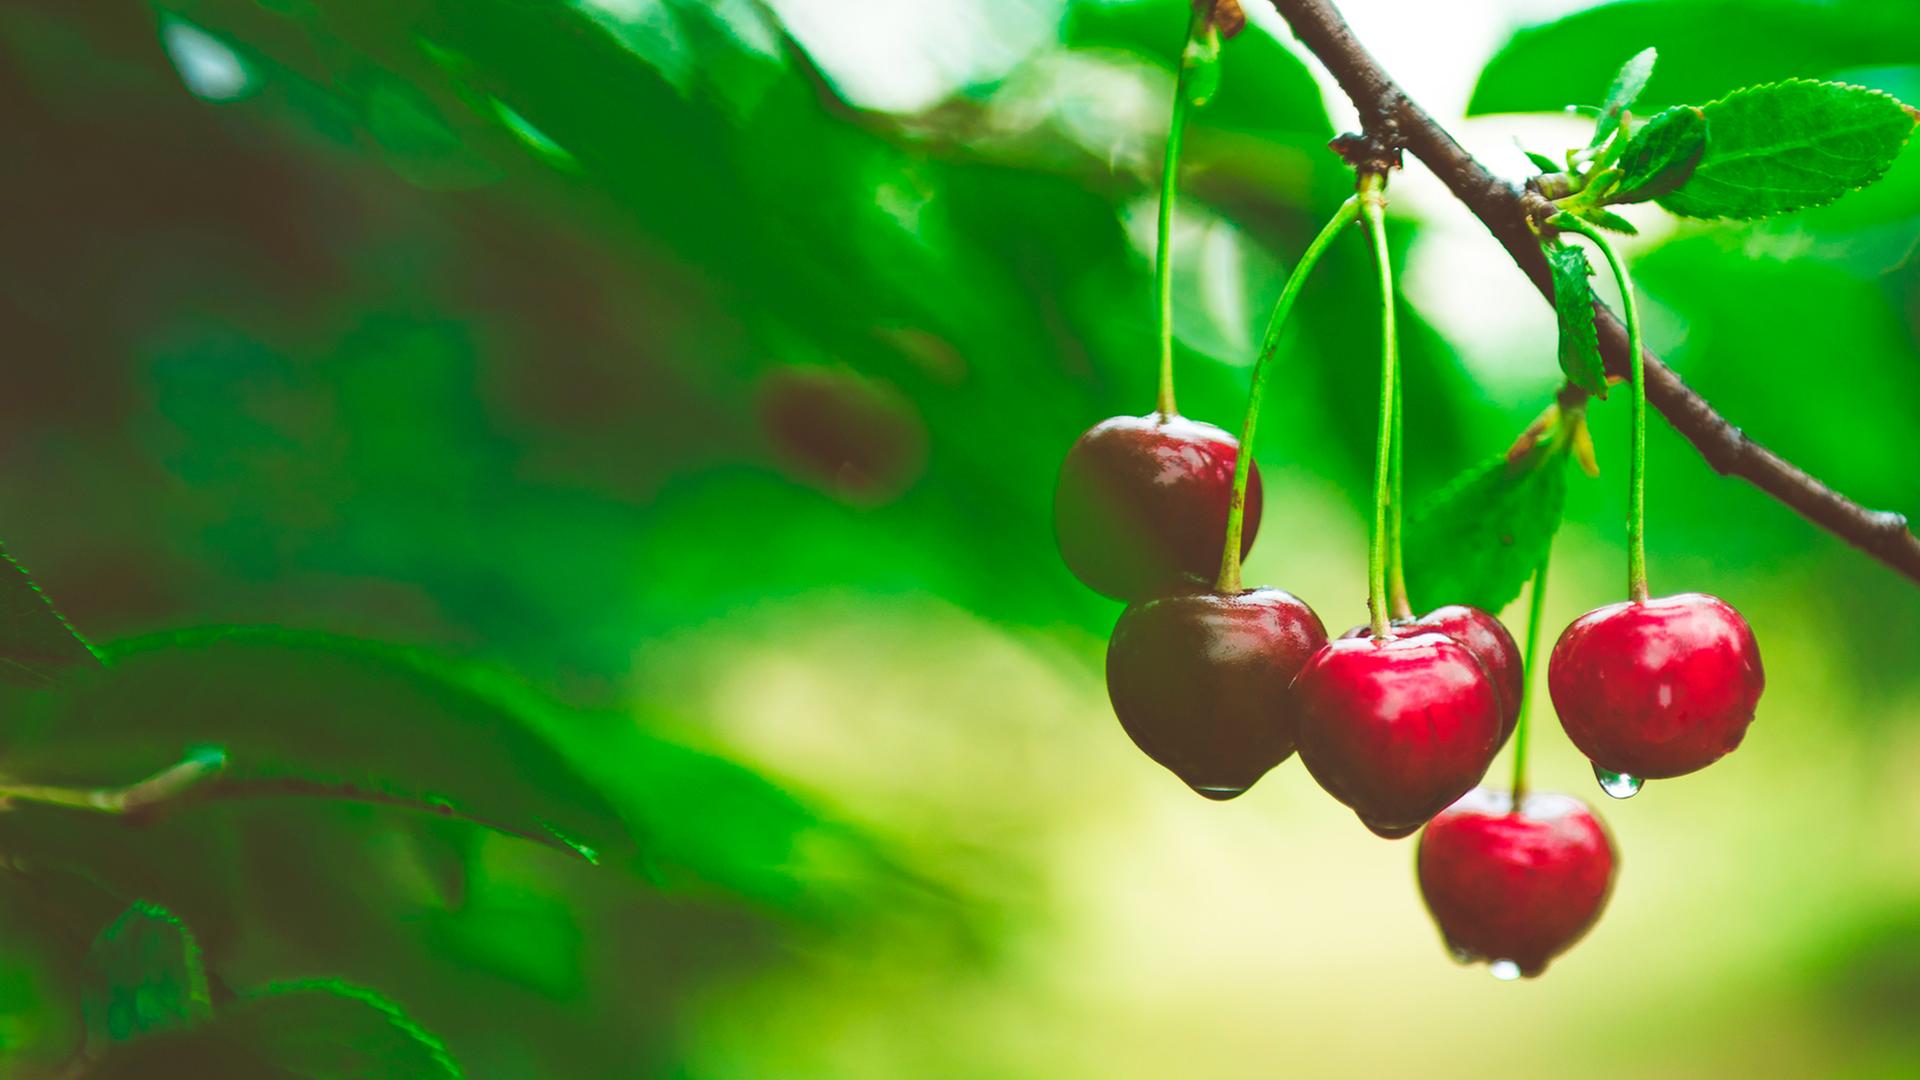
(1391, 117)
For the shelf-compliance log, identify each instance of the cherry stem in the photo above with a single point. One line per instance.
(164, 786)
(1228, 581)
(1637, 360)
(1536, 607)
(1397, 600)
(1373, 210)
(1197, 24)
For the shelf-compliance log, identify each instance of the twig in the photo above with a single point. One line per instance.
(1389, 114)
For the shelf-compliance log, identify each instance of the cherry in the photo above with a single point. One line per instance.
(1199, 682)
(1141, 509)
(1514, 888)
(1396, 729)
(1656, 688)
(1486, 638)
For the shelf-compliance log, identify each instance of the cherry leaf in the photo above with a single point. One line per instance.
(1788, 146)
(143, 974)
(319, 1029)
(1626, 89)
(37, 645)
(1661, 156)
(1478, 540)
(1573, 305)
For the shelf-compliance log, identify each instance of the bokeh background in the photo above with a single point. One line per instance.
(703, 365)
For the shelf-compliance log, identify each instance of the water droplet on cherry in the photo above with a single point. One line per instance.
(1618, 785)
(1504, 970)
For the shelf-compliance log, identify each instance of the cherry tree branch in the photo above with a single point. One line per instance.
(1393, 120)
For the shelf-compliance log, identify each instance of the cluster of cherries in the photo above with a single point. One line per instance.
(1400, 727)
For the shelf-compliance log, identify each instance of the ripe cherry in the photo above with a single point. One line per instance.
(1396, 729)
(1200, 682)
(1656, 688)
(1486, 638)
(1141, 509)
(1514, 888)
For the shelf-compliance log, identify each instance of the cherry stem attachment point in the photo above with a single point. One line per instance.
(1228, 581)
(1536, 607)
(1637, 463)
(1197, 24)
(1373, 211)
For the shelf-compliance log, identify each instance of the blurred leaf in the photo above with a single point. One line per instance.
(143, 974)
(1662, 154)
(314, 1030)
(312, 714)
(1478, 540)
(1542, 162)
(37, 645)
(1707, 48)
(1573, 307)
(417, 140)
(730, 48)
(1626, 88)
(1791, 145)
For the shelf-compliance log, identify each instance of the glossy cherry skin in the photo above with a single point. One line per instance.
(1657, 688)
(1141, 508)
(1399, 729)
(1515, 886)
(1199, 682)
(1486, 638)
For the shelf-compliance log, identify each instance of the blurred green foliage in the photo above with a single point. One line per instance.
(641, 425)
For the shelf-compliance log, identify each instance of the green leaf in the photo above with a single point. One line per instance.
(1478, 540)
(1791, 145)
(1661, 155)
(1707, 49)
(36, 644)
(1542, 162)
(311, 714)
(1625, 90)
(315, 1030)
(143, 974)
(1573, 306)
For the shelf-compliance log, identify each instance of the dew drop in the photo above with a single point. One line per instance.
(1618, 785)
(1462, 955)
(1219, 793)
(1504, 970)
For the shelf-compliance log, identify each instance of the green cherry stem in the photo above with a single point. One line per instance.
(1373, 211)
(1637, 464)
(1397, 602)
(1229, 580)
(1197, 24)
(1536, 607)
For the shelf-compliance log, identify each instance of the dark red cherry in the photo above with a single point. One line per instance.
(1141, 510)
(1514, 889)
(1657, 688)
(1199, 682)
(1486, 638)
(1398, 729)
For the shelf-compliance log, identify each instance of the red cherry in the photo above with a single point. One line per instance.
(1141, 509)
(1486, 638)
(1514, 889)
(1398, 729)
(1657, 688)
(1200, 682)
